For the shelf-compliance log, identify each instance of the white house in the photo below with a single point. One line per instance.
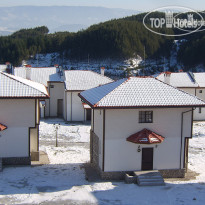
(77, 81)
(19, 119)
(52, 78)
(193, 83)
(140, 124)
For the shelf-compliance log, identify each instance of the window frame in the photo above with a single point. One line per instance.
(146, 116)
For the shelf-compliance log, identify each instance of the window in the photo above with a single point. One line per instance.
(145, 116)
(200, 91)
(51, 86)
(199, 109)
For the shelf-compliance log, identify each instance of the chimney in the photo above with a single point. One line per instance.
(28, 72)
(102, 70)
(8, 67)
(167, 76)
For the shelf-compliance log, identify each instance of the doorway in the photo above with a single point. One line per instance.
(147, 158)
(88, 114)
(60, 108)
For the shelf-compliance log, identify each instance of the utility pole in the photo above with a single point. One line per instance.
(88, 59)
(144, 61)
(37, 59)
(56, 126)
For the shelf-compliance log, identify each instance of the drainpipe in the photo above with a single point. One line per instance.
(71, 106)
(66, 108)
(49, 99)
(182, 122)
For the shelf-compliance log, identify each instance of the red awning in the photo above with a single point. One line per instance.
(145, 136)
(2, 127)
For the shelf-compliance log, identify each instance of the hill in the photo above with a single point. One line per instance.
(118, 38)
(56, 18)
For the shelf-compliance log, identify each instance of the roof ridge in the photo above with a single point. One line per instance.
(92, 72)
(125, 80)
(12, 77)
(102, 75)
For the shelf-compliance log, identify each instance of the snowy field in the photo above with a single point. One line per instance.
(63, 180)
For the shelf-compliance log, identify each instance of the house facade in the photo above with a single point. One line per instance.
(77, 81)
(19, 119)
(52, 78)
(192, 83)
(140, 124)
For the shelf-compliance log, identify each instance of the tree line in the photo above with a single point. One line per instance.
(117, 38)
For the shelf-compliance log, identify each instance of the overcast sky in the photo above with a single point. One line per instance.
(142, 5)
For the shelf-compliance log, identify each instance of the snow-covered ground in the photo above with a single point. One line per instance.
(118, 68)
(63, 180)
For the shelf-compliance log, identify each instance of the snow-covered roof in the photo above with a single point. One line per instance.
(82, 80)
(3, 68)
(200, 79)
(40, 75)
(138, 92)
(16, 87)
(181, 79)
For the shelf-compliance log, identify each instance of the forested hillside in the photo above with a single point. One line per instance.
(192, 52)
(118, 39)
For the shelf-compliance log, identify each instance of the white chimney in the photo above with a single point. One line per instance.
(167, 76)
(28, 73)
(102, 69)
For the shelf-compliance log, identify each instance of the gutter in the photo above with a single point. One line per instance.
(182, 122)
(71, 106)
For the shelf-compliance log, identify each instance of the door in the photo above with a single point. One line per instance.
(60, 108)
(147, 158)
(88, 114)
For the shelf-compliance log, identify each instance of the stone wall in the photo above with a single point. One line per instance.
(16, 161)
(94, 149)
(173, 173)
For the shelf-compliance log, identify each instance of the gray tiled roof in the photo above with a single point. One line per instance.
(138, 92)
(83, 80)
(40, 75)
(183, 79)
(13, 86)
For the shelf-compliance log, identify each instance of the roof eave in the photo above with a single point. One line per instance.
(24, 97)
(86, 101)
(74, 90)
(139, 107)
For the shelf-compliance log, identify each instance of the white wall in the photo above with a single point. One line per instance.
(98, 130)
(77, 107)
(57, 92)
(197, 114)
(34, 146)
(195, 91)
(18, 116)
(121, 155)
(189, 90)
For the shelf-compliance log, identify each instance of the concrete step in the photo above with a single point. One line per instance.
(152, 176)
(149, 178)
(151, 183)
